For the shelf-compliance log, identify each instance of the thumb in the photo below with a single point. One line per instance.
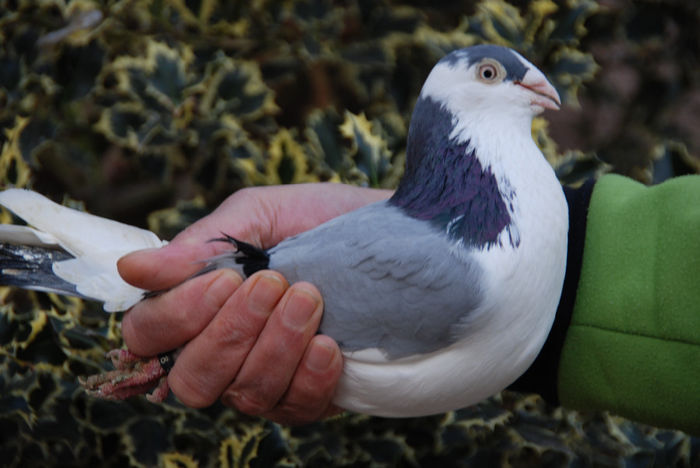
(165, 267)
(170, 265)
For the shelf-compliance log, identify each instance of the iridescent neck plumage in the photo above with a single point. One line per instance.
(446, 184)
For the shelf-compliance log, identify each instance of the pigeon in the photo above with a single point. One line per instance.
(438, 297)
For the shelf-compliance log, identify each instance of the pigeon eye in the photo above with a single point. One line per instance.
(489, 72)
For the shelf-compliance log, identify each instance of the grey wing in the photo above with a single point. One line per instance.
(388, 281)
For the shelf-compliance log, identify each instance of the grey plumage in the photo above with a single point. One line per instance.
(389, 281)
(515, 68)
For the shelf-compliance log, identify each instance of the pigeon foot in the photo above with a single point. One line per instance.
(132, 375)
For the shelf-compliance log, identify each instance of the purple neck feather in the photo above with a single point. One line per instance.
(447, 185)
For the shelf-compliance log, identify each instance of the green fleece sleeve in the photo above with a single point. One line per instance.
(633, 346)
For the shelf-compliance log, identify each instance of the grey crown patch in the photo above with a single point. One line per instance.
(515, 69)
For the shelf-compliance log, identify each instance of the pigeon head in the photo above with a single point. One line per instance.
(488, 79)
(471, 120)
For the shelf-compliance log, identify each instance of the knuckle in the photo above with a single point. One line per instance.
(308, 395)
(194, 400)
(233, 327)
(131, 334)
(240, 322)
(191, 306)
(176, 303)
(262, 215)
(246, 193)
(181, 319)
(180, 316)
(299, 412)
(250, 404)
(230, 331)
(192, 395)
(295, 414)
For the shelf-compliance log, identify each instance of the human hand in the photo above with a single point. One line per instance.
(251, 343)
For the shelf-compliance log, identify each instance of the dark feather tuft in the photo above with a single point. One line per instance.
(252, 258)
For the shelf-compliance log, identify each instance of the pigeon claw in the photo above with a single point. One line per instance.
(132, 375)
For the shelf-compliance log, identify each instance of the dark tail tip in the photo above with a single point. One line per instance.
(251, 257)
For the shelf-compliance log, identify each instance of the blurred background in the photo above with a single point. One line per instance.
(152, 112)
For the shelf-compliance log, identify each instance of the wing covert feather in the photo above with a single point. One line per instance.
(384, 277)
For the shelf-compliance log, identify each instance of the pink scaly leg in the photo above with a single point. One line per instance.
(132, 375)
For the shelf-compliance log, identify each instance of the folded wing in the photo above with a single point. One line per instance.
(390, 282)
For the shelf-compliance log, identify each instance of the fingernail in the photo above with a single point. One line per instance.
(220, 289)
(320, 357)
(299, 308)
(266, 291)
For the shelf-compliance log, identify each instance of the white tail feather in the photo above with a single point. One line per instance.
(24, 235)
(96, 243)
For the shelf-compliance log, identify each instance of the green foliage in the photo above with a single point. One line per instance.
(176, 100)
(153, 111)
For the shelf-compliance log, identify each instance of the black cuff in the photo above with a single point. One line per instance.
(541, 376)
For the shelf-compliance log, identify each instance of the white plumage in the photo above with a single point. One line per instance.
(96, 243)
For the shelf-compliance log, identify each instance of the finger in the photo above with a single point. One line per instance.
(310, 394)
(168, 266)
(261, 216)
(211, 360)
(171, 319)
(269, 368)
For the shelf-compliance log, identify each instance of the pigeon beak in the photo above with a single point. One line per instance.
(544, 94)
